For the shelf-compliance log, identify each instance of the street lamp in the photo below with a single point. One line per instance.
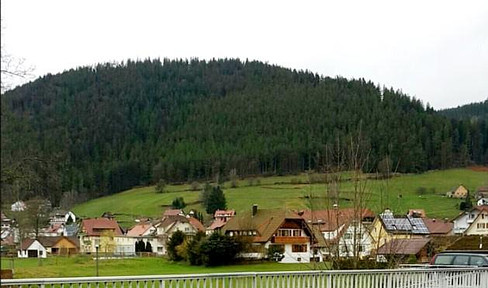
(96, 249)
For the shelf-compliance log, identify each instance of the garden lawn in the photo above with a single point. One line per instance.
(82, 266)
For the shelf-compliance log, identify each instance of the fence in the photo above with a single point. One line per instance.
(398, 278)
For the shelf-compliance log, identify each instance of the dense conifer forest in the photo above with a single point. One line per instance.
(473, 111)
(99, 130)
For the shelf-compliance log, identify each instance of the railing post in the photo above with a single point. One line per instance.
(254, 280)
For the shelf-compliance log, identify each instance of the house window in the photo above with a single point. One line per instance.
(289, 233)
(348, 236)
(160, 249)
(299, 248)
(40, 252)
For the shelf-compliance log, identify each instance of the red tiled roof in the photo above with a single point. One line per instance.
(438, 226)
(217, 223)
(96, 226)
(139, 229)
(172, 212)
(224, 213)
(196, 224)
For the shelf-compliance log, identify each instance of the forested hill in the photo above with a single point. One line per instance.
(101, 130)
(473, 111)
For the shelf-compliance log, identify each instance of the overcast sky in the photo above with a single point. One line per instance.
(436, 51)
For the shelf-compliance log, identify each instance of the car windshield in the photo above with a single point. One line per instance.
(477, 261)
(443, 259)
(461, 260)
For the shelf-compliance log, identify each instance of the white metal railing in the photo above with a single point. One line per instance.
(397, 278)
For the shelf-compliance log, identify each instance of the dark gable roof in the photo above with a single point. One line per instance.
(27, 243)
(332, 219)
(52, 241)
(471, 242)
(403, 246)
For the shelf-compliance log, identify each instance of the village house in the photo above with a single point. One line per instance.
(32, 248)
(465, 219)
(188, 225)
(220, 219)
(458, 192)
(285, 230)
(387, 227)
(480, 223)
(101, 232)
(146, 232)
(60, 245)
(346, 233)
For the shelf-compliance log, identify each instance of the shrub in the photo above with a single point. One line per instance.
(160, 187)
(176, 239)
(193, 249)
(421, 191)
(195, 186)
(275, 252)
(178, 203)
(219, 250)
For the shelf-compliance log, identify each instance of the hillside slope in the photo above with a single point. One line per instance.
(96, 131)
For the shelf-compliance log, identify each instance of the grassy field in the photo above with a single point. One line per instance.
(398, 193)
(80, 266)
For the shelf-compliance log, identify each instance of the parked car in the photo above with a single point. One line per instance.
(460, 259)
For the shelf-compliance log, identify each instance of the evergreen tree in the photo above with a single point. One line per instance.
(216, 201)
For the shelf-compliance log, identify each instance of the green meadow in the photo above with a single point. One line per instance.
(399, 193)
(85, 266)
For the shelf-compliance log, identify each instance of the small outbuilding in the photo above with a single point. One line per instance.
(32, 248)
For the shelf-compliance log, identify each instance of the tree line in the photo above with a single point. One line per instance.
(95, 131)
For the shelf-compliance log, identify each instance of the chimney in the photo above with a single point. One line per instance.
(254, 209)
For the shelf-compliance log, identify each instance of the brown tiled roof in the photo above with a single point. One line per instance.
(403, 246)
(52, 241)
(27, 243)
(139, 229)
(93, 227)
(438, 226)
(48, 241)
(170, 220)
(332, 219)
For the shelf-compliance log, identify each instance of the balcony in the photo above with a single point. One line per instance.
(290, 240)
